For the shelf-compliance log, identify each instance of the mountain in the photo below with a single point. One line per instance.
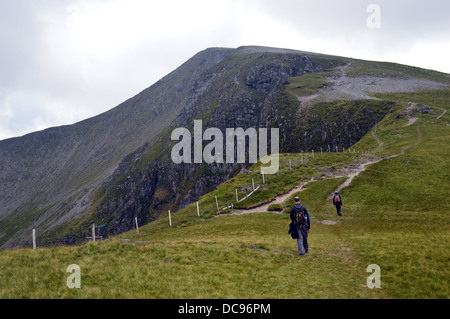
(116, 166)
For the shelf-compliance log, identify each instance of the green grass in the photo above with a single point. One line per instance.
(395, 215)
(434, 98)
(386, 69)
(403, 207)
(306, 84)
(399, 207)
(225, 257)
(316, 199)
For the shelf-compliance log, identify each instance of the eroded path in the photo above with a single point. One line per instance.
(278, 199)
(363, 166)
(351, 172)
(441, 115)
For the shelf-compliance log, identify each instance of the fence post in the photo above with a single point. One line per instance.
(198, 211)
(290, 165)
(93, 232)
(137, 226)
(217, 203)
(34, 238)
(253, 183)
(170, 220)
(262, 177)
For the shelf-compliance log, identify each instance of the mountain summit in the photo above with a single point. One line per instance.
(115, 167)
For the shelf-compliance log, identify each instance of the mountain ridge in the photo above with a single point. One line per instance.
(62, 179)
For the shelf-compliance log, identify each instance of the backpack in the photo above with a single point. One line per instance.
(300, 217)
(337, 199)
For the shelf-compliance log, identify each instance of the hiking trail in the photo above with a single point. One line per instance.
(277, 200)
(351, 173)
(363, 166)
(441, 115)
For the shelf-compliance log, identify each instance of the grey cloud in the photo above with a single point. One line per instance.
(412, 19)
(34, 80)
(19, 38)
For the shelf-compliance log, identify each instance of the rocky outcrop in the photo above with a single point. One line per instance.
(228, 97)
(117, 166)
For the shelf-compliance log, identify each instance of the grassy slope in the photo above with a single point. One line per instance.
(403, 208)
(395, 215)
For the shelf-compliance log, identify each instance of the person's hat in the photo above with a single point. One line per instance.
(296, 199)
(336, 192)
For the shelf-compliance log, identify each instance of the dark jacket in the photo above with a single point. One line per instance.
(293, 230)
(297, 208)
(337, 203)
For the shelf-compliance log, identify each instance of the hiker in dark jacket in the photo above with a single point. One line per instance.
(337, 202)
(303, 229)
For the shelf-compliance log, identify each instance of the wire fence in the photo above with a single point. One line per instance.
(289, 164)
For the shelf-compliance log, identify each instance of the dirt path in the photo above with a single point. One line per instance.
(351, 174)
(363, 167)
(380, 143)
(412, 120)
(403, 149)
(278, 200)
(307, 101)
(442, 114)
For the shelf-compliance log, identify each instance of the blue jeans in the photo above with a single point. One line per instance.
(302, 240)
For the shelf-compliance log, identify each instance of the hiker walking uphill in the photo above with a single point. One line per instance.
(337, 202)
(300, 226)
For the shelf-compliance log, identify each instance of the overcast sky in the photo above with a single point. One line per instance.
(64, 61)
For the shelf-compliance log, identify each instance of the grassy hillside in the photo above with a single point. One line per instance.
(395, 215)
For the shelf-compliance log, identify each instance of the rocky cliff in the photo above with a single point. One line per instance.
(116, 166)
